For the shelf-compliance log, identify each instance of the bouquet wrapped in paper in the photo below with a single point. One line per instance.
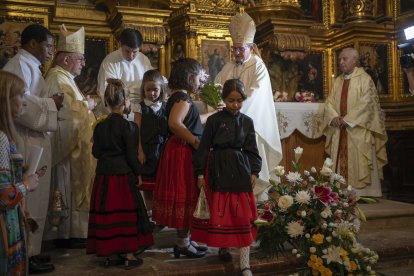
(211, 94)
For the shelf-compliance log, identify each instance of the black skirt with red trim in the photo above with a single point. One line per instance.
(115, 217)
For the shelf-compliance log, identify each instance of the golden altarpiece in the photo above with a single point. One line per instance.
(299, 40)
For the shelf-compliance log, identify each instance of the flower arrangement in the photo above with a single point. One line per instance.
(317, 214)
(305, 97)
(211, 94)
(280, 96)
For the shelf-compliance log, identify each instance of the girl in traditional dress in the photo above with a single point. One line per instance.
(176, 192)
(228, 146)
(118, 222)
(14, 184)
(152, 122)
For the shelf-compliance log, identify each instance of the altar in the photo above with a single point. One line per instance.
(301, 125)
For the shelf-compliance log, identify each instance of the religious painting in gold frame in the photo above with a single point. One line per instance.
(214, 54)
(11, 29)
(405, 6)
(96, 48)
(373, 58)
(297, 72)
(152, 53)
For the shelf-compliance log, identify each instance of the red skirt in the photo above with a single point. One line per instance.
(175, 191)
(231, 220)
(148, 183)
(113, 218)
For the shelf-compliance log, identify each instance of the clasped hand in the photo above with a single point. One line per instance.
(338, 122)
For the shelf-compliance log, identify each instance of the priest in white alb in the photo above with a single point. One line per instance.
(355, 129)
(73, 164)
(251, 70)
(127, 64)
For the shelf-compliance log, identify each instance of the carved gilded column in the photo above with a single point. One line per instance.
(358, 10)
(161, 60)
(191, 47)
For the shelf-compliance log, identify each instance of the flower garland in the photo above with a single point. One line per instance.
(317, 214)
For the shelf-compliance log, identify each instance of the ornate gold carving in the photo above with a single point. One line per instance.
(283, 42)
(358, 9)
(268, 9)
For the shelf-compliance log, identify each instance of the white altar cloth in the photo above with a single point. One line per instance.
(307, 118)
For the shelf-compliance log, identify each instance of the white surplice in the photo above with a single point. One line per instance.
(260, 107)
(39, 116)
(115, 66)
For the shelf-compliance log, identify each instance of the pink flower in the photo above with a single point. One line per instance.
(325, 194)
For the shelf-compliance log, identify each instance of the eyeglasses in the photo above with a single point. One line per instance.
(80, 59)
(241, 49)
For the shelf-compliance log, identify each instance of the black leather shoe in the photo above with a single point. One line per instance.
(185, 251)
(38, 268)
(198, 246)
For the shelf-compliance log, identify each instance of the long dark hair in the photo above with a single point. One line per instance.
(182, 75)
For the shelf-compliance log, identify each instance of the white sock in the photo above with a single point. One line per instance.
(245, 260)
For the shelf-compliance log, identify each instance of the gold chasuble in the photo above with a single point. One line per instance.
(358, 150)
(73, 140)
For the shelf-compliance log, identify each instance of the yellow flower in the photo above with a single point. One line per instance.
(325, 271)
(353, 265)
(317, 238)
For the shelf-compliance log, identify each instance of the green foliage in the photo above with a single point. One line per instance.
(211, 94)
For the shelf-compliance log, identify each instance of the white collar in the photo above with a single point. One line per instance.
(29, 56)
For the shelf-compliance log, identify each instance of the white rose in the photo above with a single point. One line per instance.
(303, 214)
(328, 238)
(297, 255)
(313, 170)
(294, 251)
(307, 235)
(326, 171)
(312, 249)
(279, 170)
(311, 179)
(324, 226)
(326, 212)
(298, 153)
(306, 173)
(285, 202)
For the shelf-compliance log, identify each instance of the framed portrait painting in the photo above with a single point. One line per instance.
(373, 57)
(152, 53)
(214, 54)
(406, 6)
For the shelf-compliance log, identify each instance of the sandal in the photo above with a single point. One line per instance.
(224, 255)
(130, 264)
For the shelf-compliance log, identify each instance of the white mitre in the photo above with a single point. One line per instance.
(242, 30)
(71, 42)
